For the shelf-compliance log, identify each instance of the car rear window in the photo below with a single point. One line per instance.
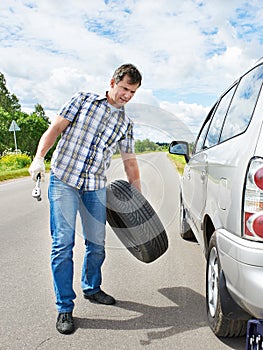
(243, 104)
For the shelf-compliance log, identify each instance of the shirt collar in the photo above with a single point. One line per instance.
(102, 97)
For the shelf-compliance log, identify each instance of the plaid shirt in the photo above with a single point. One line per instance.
(84, 152)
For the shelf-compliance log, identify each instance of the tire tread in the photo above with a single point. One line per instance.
(135, 222)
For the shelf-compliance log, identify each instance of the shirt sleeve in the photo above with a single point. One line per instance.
(126, 143)
(70, 109)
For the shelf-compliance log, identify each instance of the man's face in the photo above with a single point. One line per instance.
(122, 92)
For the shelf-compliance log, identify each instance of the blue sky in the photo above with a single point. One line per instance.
(189, 52)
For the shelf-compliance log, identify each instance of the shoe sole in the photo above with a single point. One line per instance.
(94, 301)
(66, 332)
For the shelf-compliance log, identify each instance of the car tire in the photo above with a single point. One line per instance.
(135, 222)
(185, 229)
(221, 325)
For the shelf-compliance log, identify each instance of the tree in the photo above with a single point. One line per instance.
(40, 112)
(6, 137)
(145, 145)
(31, 126)
(9, 102)
(138, 146)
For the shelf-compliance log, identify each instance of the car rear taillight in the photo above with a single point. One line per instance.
(253, 201)
(258, 178)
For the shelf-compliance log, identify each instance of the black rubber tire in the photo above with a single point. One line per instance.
(221, 325)
(135, 222)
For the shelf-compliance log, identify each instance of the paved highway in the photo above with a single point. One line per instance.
(159, 305)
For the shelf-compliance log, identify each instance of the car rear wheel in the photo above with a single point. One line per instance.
(221, 325)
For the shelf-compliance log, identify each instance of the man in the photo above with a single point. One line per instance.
(91, 127)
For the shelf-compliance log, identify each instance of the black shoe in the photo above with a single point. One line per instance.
(65, 324)
(101, 298)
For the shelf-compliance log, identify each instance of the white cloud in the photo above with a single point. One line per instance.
(158, 124)
(188, 51)
(191, 114)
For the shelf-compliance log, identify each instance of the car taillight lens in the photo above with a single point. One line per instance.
(253, 201)
(258, 178)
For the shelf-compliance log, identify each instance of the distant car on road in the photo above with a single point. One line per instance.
(222, 203)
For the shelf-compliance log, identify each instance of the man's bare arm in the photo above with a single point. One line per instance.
(131, 169)
(50, 135)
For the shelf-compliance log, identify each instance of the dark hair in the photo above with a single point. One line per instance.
(130, 70)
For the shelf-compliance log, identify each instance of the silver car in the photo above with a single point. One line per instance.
(222, 203)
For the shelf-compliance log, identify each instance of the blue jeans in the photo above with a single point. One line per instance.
(65, 203)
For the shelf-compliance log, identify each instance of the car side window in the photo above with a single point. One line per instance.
(243, 104)
(215, 127)
(202, 135)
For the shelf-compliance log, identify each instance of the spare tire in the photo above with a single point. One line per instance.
(135, 222)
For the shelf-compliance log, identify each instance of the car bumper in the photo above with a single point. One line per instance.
(242, 263)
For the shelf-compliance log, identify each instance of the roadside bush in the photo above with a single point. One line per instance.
(13, 160)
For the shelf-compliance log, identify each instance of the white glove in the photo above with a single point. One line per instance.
(37, 167)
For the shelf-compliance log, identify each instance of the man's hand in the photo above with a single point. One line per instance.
(46, 142)
(37, 167)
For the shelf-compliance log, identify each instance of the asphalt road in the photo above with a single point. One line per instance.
(159, 305)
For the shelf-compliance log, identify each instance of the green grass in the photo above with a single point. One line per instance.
(13, 174)
(9, 174)
(178, 161)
